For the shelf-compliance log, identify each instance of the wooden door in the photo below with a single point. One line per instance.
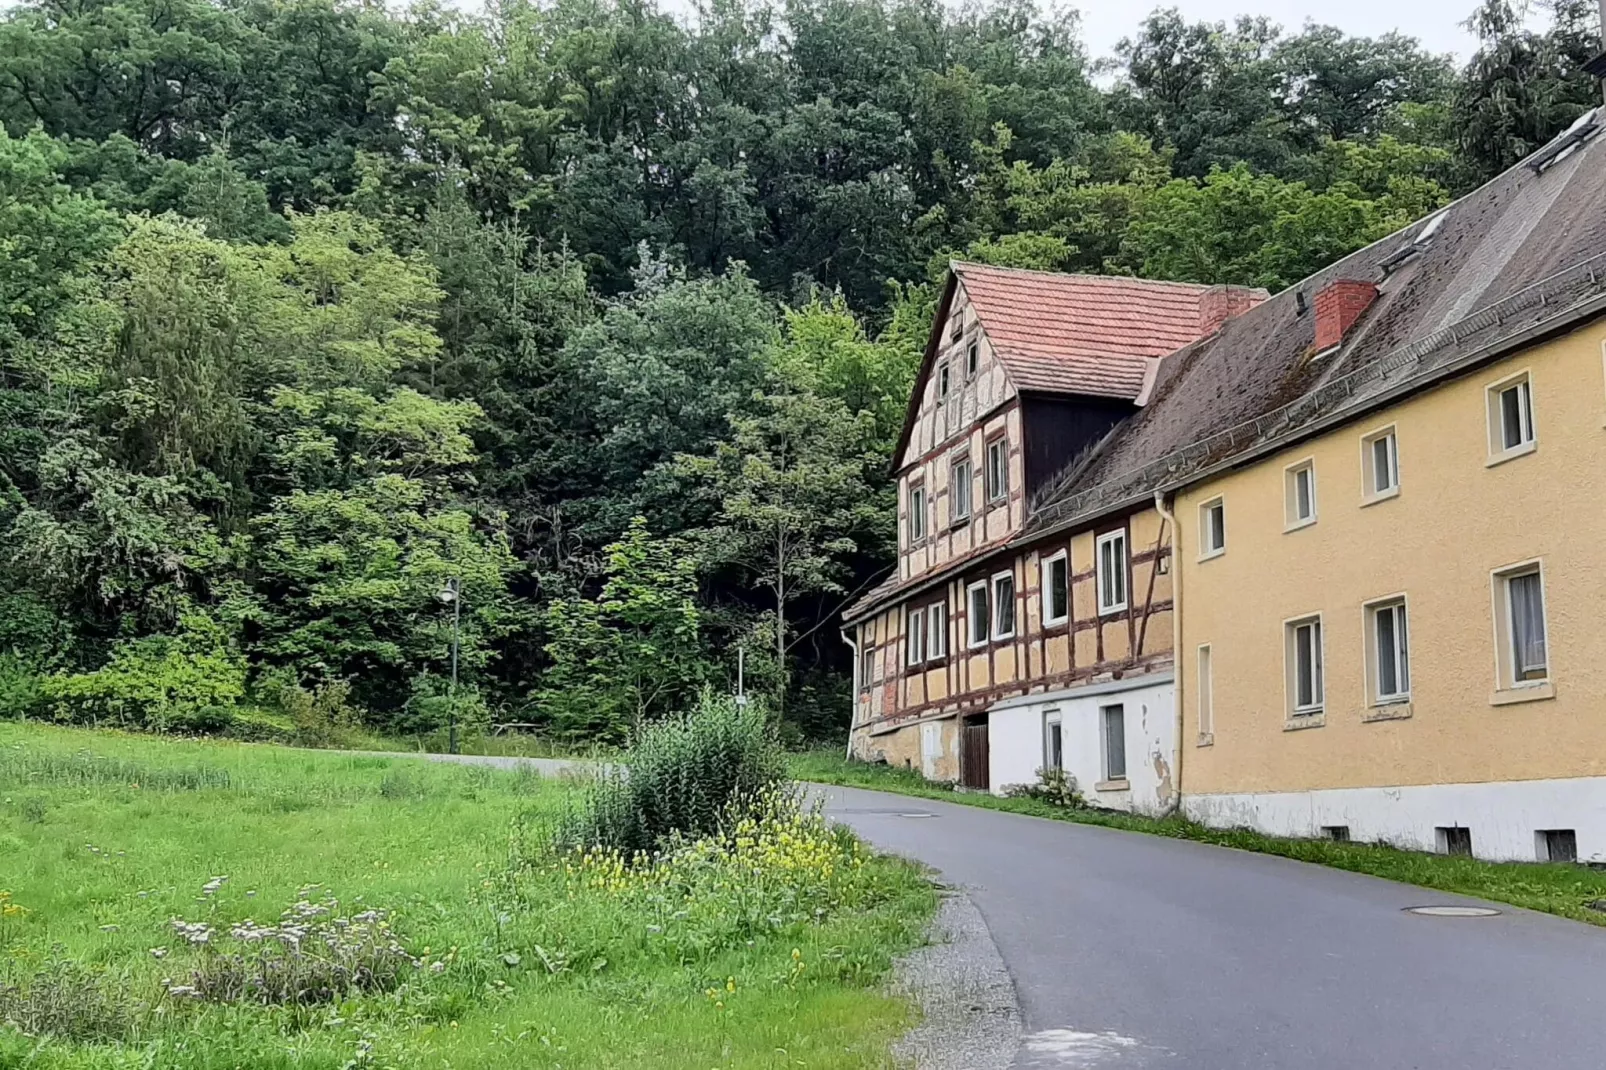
(973, 754)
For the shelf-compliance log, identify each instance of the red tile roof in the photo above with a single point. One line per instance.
(1082, 334)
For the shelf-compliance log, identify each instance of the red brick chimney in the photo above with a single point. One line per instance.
(1338, 305)
(1220, 303)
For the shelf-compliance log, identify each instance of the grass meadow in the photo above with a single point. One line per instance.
(458, 941)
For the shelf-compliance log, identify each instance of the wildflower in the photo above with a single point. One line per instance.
(158, 952)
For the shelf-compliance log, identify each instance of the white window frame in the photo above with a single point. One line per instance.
(997, 490)
(999, 603)
(1104, 738)
(937, 631)
(1108, 605)
(1053, 720)
(914, 632)
(1205, 699)
(1375, 654)
(956, 479)
(1292, 520)
(972, 617)
(917, 513)
(1208, 547)
(1506, 679)
(1046, 569)
(1291, 641)
(1528, 421)
(1370, 491)
(945, 382)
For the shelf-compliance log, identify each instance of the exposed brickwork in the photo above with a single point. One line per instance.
(1220, 303)
(1338, 305)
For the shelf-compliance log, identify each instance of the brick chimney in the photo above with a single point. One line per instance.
(1220, 303)
(1338, 305)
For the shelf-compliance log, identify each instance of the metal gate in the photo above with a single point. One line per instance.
(973, 754)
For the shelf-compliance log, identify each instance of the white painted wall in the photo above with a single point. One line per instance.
(1503, 816)
(1015, 741)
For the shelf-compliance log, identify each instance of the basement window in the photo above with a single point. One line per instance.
(1336, 833)
(1454, 840)
(1557, 845)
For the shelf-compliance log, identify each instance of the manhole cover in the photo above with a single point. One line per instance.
(1454, 912)
(917, 815)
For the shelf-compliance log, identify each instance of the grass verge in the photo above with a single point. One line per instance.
(437, 940)
(1555, 888)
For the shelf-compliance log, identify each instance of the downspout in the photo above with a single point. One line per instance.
(1178, 686)
(853, 698)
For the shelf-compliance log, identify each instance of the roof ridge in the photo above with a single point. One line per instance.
(958, 266)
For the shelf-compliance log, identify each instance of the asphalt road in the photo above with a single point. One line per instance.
(1130, 951)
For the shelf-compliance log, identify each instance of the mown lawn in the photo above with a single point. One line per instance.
(1556, 888)
(106, 838)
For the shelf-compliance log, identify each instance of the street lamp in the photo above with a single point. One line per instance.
(452, 595)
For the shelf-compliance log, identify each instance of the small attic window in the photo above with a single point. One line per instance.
(956, 327)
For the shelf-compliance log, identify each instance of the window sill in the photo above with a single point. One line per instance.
(1055, 622)
(1511, 696)
(1391, 711)
(1298, 721)
(1121, 784)
(1206, 739)
(1111, 611)
(1386, 496)
(1212, 555)
(1511, 454)
(1298, 525)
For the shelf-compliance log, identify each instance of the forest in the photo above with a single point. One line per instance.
(598, 315)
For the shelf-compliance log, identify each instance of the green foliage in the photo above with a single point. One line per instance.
(687, 776)
(21, 689)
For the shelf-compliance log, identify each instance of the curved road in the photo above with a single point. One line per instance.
(1136, 951)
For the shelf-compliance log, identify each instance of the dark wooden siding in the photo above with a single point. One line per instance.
(1057, 429)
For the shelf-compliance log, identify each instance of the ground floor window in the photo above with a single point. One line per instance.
(1114, 719)
(1053, 741)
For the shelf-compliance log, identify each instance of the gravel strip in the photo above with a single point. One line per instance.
(970, 1019)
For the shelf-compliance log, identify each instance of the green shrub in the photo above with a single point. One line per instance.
(71, 1001)
(686, 776)
(21, 690)
(321, 716)
(252, 725)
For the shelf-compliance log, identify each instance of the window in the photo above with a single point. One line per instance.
(1511, 417)
(1304, 653)
(1454, 840)
(1388, 654)
(1111, 569)
(937, 631)
(866, 666)
(1114, 718)
(1557, 845)
(997, 469)
(1053, 741)
(942, 382)
(917, 514)
(1207, 695)
(1056, 588)
(1380, 465)
(1212, 528)
(1520, 626)
(1300, 492)
(1003, 605)
(914, 633)
(959, 485)
(1336, 833)
(980, 615)
(972, 359)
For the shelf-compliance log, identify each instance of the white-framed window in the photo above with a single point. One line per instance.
(914, 635)
(1003, 605)
(866, 667)
(960, 480)
(1388, 651)
(1303, 648)
(1113, 721)
(1111, 571)
(942, 383)
(1206, 698)
(1299, 494)
(937, 631)
(1053, 740)
(979, 617)
(1521, 632)
(917, 513)
(972, 358)
(1511, 417)
(1056, 588)
(1212, 528)
(997, 469)
(1380, 465)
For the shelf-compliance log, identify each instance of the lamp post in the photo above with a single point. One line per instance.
(452, 595)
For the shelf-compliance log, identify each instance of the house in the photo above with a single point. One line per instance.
(1385, 497)
(999, 646)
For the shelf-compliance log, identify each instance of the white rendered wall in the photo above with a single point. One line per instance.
(1503, 816)
(1015, 742)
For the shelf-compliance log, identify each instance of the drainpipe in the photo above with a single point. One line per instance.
(853, 697)
(1177, 685)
